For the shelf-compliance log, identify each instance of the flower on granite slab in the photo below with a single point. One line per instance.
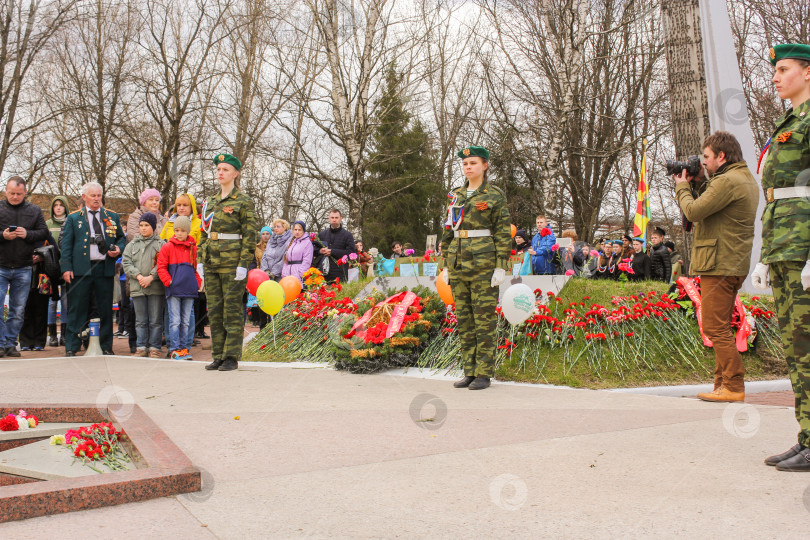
(9, 423)
(57, 440)
(22, 422)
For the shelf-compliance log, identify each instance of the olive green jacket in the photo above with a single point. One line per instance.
(476, 258)
(786, 222)
(235, 214)
(140, 257)
(724, 215)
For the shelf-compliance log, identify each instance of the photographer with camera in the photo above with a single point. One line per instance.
(723, 208)
(92, 240)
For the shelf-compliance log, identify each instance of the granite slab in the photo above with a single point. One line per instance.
(45, 461)
(161, 468)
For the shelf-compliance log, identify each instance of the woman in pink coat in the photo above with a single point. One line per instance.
(298, 257)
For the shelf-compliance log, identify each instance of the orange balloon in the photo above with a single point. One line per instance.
(291, 286)
(445, 292)
(514, 230)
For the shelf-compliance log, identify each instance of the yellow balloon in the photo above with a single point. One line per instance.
(270, 297)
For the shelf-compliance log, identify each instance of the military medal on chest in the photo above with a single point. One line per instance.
(455, 212)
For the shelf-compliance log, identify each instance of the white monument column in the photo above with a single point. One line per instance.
(728, 110)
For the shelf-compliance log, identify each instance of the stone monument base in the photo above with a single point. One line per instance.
(32, 487)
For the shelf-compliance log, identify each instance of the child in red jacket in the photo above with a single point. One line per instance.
(176, 266)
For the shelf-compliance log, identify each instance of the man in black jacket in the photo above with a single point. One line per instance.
(661, 261)
(337, 242)
(23, 226)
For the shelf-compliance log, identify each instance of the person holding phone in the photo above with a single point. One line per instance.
(23, 226)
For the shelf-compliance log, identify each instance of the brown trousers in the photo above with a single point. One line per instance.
(718, 294)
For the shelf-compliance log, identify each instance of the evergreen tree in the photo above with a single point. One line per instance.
(403, 197)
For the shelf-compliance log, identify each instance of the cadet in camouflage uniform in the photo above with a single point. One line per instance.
(476, 245)
(786, 236)
(226, 249)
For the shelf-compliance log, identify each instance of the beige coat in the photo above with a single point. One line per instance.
(723, 215)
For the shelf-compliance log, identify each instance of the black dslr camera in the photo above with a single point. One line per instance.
(691, 166)
(101, 242)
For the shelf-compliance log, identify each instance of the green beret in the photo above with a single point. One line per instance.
(229, 159)
(479, 151)
(795, 51)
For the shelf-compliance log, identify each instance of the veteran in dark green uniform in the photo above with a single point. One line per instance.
(92, 239)
(476, 244)
(786, 235)
(226, 249)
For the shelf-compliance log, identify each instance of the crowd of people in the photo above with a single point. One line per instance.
(59, 274)
(158, 286)
(607, 259)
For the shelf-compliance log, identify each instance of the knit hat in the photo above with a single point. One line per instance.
(183, 223)
(266, 229)
(522, 233)
(299, 222)
(147, 194)
(151, 219)
(670, 244)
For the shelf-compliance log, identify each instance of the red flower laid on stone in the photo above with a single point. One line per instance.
(9, 423)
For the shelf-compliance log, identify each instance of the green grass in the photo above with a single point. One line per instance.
(660, 353)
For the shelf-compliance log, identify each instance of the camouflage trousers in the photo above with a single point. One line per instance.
(793, 310)
(226, 310)
(477, 325)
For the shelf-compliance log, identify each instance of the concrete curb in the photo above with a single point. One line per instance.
(752, 387)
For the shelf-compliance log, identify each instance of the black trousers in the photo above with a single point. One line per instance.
(79, 308)
(34, 331)
(200, 313)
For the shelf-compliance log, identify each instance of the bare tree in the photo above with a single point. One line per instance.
(355, 36)
(577, 70)
(177, 45)
(25, 29)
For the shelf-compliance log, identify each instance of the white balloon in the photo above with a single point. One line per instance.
(518, 303)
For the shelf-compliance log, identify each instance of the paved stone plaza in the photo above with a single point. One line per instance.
(321, 453)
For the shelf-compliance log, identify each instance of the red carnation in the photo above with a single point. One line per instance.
(545, 231)
(9, 423)
(555, 247)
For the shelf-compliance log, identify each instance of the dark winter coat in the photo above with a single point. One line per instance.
(661, 269)
(642, 266)
(17, 253)
(341, 242)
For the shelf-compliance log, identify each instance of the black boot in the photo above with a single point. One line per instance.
(54, 340)
(215, 364)
(229, 364)
(465, 382)
(63, 329)
(798, 463)
(479, 383)
(775, 460)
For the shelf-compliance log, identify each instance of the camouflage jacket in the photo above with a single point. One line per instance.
(234, 214)
(476, 258)
(786, 222)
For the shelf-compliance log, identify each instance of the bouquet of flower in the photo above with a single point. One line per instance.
(19, 421)
(313, 278)
(350, 260)
(99, 442)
